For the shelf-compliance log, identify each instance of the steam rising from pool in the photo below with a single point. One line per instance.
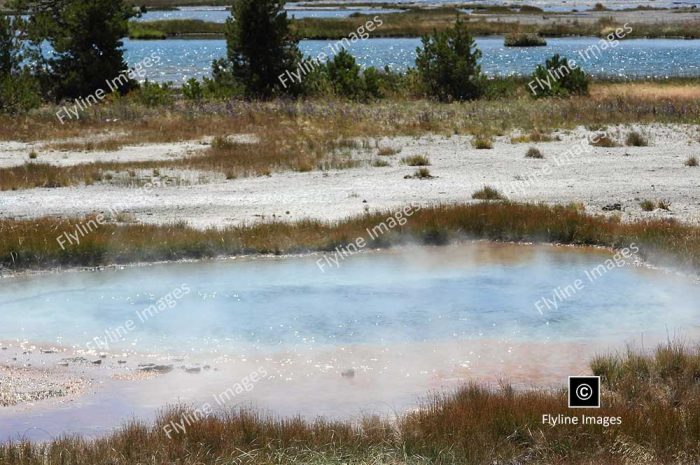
(410, 295)
(371, 336)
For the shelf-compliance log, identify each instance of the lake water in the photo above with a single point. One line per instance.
(407, 321)
(220, 14)
(186, 58)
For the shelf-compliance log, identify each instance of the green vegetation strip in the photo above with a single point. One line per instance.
(656, 396)
(33, 243)
(419, 22)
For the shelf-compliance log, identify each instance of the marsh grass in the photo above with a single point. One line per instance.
(32, 243)
(657, 396)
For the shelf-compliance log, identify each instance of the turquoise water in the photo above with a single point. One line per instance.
(409, 321)
(417, 295)
(186, 58)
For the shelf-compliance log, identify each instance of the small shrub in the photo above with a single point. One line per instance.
(534, 152)
(635, 139)
(153, 94)
(416, 160)
(647, 205)
(488, 193)
(192, 90)
(482, 143)
(563, 79)
(379, 163)
(692, 161)
(32, 155)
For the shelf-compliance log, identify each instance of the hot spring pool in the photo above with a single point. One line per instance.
(401, 322)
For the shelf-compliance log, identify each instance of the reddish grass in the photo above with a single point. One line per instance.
(473, 425)
(32, 243)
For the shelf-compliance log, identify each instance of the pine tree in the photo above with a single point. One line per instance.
(448, 65)
(86, 38)
(261, 46)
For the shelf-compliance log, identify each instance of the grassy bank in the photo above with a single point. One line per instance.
(417, 22)
(659, 407)
(33, 243)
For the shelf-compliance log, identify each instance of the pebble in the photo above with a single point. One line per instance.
(153, 368)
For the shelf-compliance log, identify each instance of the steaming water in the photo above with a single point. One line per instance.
(407, 321)
(415, 296)
(182, 59)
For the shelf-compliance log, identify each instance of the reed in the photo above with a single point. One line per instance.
(33, 243)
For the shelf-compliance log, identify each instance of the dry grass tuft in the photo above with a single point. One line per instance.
(416, 160)
(534, 152)
(635, 139)
(604, 140)
(482, 143)
(488, 193)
